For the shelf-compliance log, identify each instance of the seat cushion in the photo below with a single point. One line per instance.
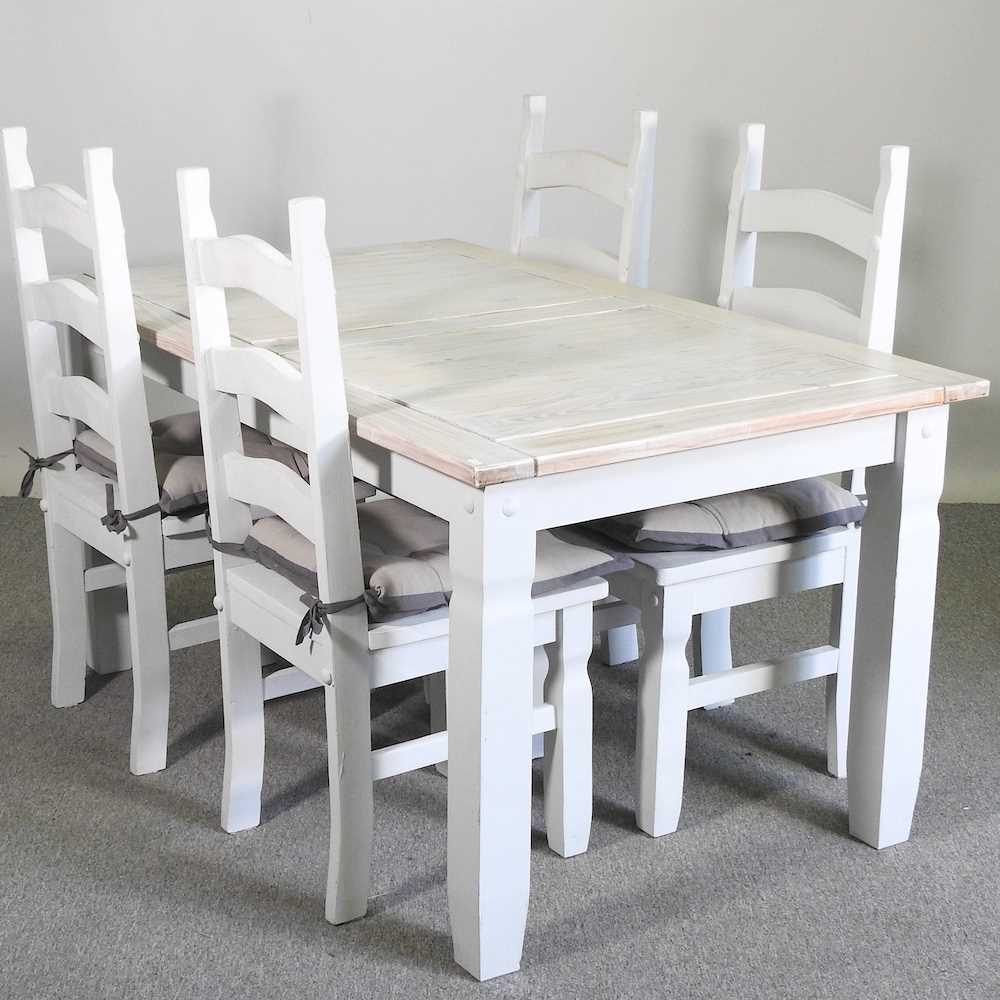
(772, 513)
(180, 462)
(404, 556)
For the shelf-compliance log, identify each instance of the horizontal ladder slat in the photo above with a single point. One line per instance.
(269, 484)
(64, 300)
(249, 263)
(600, 175)
(570, 253)
(262, 374)
(810, 211)
(55, 206)
(756, 677)
(81, 399)
(801, 308)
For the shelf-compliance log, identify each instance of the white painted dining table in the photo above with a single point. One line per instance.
(507, 396)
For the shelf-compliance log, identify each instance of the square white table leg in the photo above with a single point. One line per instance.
(899, 548)
(489, 685)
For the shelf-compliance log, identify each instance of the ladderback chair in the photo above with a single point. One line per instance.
(803, 535)
(875, 235)
(627, 185)
(301, 581)
(117, 514)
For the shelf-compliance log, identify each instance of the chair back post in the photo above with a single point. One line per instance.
(136, 473)
(220, 417)
(637, 214)
(331, 477)
(528, 202)
(878, 308)
(740, 252)
(41, 339)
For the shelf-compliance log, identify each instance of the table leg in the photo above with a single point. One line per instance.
(489, 686)
(899, 547)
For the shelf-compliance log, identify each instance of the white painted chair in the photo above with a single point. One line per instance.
(672, 588)
(333, 645)
(627, 185)
(82, 509)
(630, 187)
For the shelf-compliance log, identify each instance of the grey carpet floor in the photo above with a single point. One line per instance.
(117, 886)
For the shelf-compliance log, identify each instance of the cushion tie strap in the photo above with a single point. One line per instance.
(34, 464)
(115, 521)
(315, 617)
(227, 548)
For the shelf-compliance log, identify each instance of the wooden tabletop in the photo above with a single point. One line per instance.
(492, 368)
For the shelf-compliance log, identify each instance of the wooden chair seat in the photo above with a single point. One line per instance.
(666, 568)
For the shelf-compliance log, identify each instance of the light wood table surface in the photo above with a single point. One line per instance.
(507, 396)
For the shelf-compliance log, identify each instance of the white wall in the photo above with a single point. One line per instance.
(406, 118)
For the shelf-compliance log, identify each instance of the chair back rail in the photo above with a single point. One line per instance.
(60, 399)
(262, 375)
(53, 206)
(629, 186)
(261, 482)
(65, 300)
(311, 398)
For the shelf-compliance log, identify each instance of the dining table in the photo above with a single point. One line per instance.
(508, 395)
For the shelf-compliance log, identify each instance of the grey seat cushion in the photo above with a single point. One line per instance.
(772, 513)
(404, 555)
(180, 464)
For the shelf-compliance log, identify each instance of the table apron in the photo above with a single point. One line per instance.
(571, 497)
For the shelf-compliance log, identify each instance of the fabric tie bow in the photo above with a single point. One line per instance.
(34, 464)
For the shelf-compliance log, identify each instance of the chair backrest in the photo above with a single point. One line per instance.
(875, 235)
(310, 397)
(104, 315)
(627, 185)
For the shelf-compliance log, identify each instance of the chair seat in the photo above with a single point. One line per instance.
(678, 567)
(180, 462)
(406, 562)
(666, 568)
(282, 598)
(736, 520)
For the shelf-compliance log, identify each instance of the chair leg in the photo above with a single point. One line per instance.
(66, 555)
(568, 748)
(838, 685)
(243, 709)
(619, 645)
(661, 732)
(436, 693)
(147, 603)
(713, 648)
(540, 670)
(349, 743)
